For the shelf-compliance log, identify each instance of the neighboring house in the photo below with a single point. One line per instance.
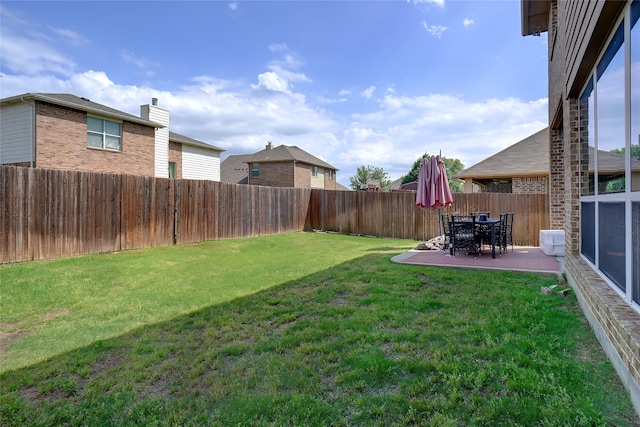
(282, 166)
(64, 131)
(520, 168)
(594, 193)
(524, 168)
(234, 169)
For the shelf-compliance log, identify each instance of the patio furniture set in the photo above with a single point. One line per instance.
(471, 233)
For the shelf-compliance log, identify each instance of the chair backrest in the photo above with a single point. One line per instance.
(506, 223)
(444, 223)
(463, 218)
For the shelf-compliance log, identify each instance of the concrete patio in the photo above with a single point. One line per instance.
(521, 258)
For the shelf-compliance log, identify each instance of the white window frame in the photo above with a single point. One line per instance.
(104, 134)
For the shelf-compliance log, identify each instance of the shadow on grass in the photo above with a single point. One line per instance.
(364, 342)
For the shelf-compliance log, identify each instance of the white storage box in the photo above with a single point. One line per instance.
(552, 242)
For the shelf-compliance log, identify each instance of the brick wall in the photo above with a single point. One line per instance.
(302, 175)
(330, 184)
(529, 184)
(61, 143)
(556, 179)
(175, 155)
(572, 175)
(273, 174)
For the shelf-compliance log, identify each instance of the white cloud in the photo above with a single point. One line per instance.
(271, 81)
(439, 3)
(468, 22)
(25, 49)
(233, 5)
(368, 92)
(344, 92)
(434, 30)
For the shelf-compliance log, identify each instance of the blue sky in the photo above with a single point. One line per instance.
(352, 82)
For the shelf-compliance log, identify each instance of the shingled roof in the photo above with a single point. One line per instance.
(181, 139)
(529, 157)
(82, 104)
(234, 169)
(287, 153)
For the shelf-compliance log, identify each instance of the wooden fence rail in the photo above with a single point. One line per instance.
(53, 213)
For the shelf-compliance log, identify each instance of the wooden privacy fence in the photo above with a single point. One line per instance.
(395, 214)
(53, 213)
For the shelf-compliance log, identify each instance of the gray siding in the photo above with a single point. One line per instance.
(16, 133)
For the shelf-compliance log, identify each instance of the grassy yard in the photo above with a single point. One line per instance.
(295, 329)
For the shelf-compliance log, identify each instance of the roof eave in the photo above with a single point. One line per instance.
(535, 16)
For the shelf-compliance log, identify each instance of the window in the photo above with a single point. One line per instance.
(172, 170)
(314, 171)
(104, 134)
(609, 118)
(255, 170)
(330, 174)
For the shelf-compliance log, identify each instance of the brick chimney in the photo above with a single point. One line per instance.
(269, 146)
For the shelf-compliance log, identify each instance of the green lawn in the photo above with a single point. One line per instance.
(294, 329)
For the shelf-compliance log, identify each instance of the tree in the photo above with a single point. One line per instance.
(453, 167)
(635, 151)
(364, 173)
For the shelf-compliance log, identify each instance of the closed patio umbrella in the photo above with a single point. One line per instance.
(424, 183)
(433, 185)
(442, 192)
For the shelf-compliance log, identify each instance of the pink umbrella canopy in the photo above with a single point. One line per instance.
(424, 184)
(433, 185)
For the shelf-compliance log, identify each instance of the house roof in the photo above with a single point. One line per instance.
(529, 157)
(234, 169)
(287, 153)
(79, 103)
(181, 139)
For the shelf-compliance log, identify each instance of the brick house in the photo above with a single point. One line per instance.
(594, 116)
(520, 168)
(64, 131)
(524, 168)
(282, 166)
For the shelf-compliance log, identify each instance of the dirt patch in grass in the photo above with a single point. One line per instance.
(54, 314)
(6, 338)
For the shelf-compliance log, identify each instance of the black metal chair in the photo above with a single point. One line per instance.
(506, 230)
(462, 231)
(444, 227)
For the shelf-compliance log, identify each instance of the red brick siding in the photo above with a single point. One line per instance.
(303, 175)
(330, 184)
(276, 174)
(61, 143)
(175, 155)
